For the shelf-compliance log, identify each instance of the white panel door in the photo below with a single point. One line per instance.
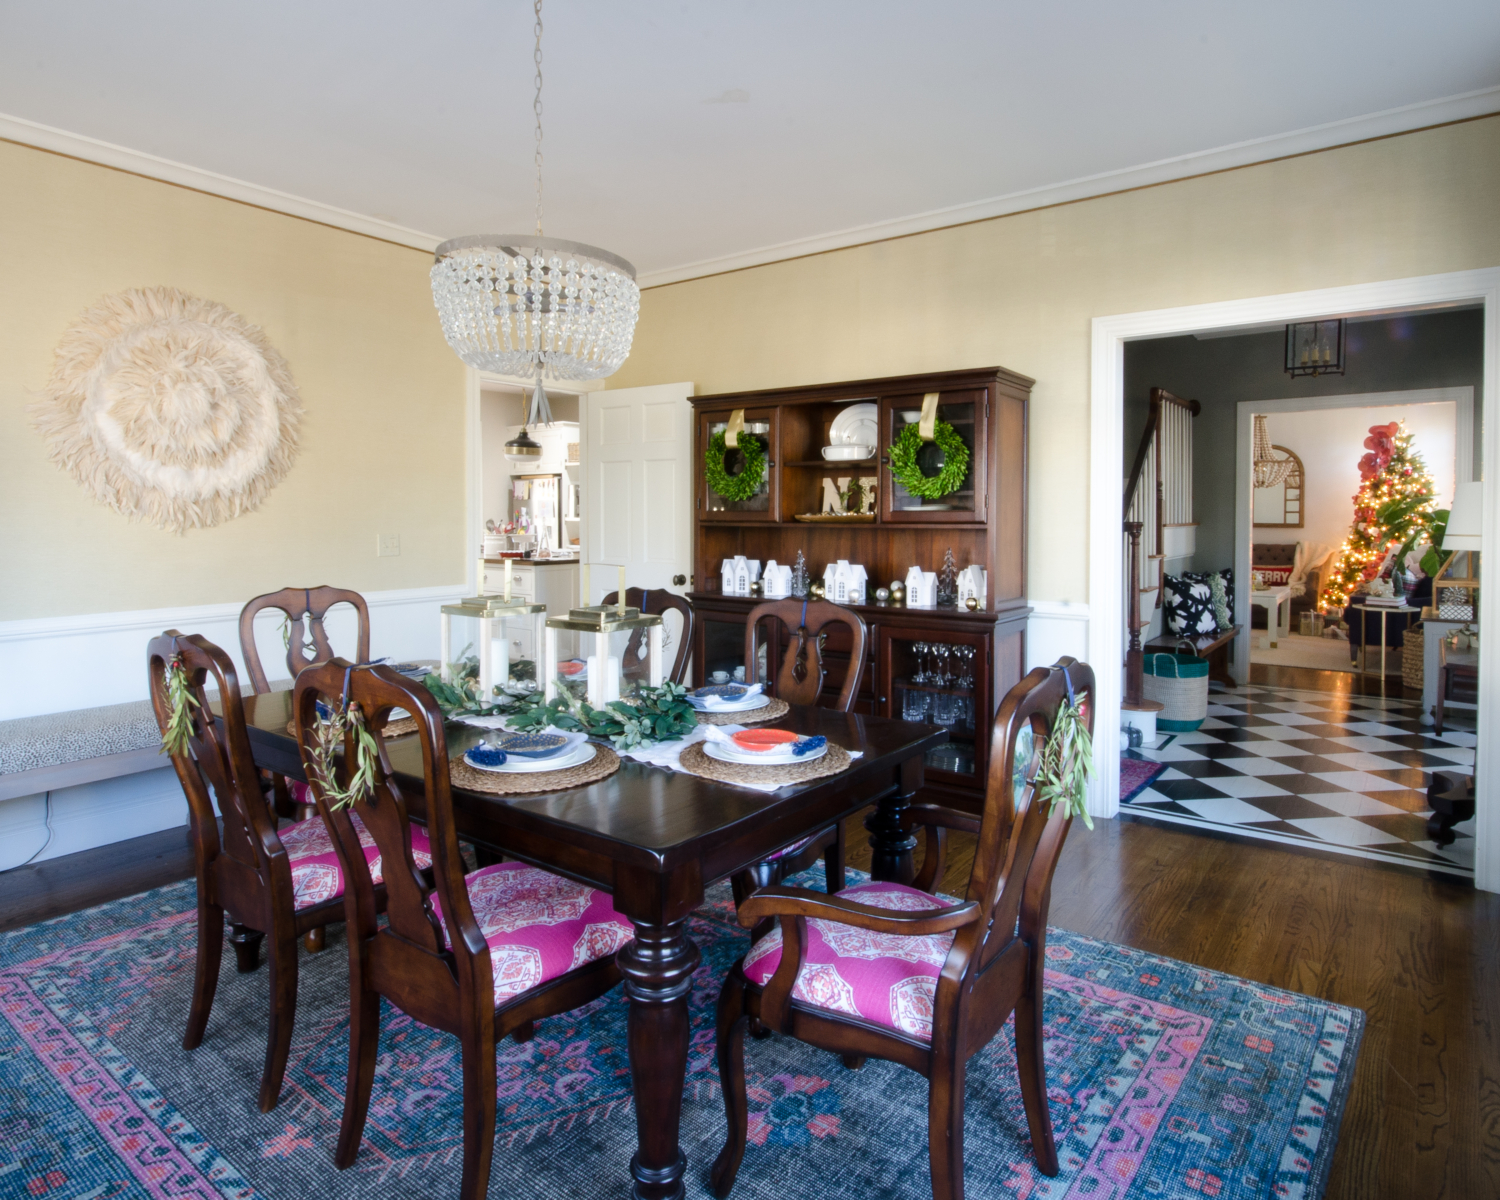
(637, 486)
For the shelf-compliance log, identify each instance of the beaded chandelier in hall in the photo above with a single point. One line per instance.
(524, 304)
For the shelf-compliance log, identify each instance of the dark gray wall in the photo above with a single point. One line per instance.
(1429, 350)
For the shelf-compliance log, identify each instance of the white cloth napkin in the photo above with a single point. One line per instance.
(669, 754)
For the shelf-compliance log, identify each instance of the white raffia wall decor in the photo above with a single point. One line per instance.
(170, 409)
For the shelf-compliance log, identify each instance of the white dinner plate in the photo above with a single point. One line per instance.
(730, 753)
(524, 766)
(859, 424)
(759, 700)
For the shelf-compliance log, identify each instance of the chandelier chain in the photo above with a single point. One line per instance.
(536, 106)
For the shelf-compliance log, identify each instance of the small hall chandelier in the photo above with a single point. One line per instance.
(524, 304)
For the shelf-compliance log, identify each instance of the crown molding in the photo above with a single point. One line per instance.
(122, 158)
(1407, 119)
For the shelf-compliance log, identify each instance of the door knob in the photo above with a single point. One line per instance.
(679, 580)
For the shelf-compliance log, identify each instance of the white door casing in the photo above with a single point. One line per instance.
(637, 486)
(1107, 452)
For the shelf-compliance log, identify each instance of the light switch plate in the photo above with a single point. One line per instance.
(387, 545)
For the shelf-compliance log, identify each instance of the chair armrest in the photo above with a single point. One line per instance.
(801, 902)
(947, 818)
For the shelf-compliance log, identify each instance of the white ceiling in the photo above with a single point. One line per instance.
(694, 135)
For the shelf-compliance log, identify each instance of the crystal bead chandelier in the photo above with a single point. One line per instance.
(524, 304)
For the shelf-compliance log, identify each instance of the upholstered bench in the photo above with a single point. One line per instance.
(59, 750)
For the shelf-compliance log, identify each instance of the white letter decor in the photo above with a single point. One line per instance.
(170, 409)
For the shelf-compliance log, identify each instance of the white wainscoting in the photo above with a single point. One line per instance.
(89, 815)
(59, 663)
(54, 664)
(1056, 628)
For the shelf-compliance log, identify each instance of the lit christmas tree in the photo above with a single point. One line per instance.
(1395, 506)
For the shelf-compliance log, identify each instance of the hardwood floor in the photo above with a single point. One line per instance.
(62, 885)
(1418, 954)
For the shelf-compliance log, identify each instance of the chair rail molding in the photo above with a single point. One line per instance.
(403, 624)
(1107, 452)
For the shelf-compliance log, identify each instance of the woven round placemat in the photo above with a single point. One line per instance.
(393, 729)
(696, 762)
(754, 716)
(604, 764)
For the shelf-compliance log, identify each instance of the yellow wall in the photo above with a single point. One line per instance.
(383, 433)
(1020, 291)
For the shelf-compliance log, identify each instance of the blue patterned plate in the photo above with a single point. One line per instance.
(725, 691)
(522, 744)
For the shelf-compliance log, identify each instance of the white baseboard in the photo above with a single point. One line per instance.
(90, 815)
(60, 663)
(1056, 628)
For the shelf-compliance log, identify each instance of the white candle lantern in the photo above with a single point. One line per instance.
(621, 649)
(505, 635)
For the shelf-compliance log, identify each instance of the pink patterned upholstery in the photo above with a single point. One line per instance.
(794, 848)
(884, 978)
(316, 875)
(539, 925)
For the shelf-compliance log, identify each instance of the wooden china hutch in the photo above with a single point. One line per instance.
(983, 523)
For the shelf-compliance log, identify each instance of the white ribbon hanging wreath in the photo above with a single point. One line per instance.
(170, 409)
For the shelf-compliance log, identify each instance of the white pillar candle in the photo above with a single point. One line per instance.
(486, 655)
(549, 665)
(445, 650)
(585, 597)
(653, 654)
(620, 595)
(611, 682)
(507, 579)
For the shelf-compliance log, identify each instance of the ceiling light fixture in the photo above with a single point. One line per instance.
(1271, 469)
(1315, 348)
(524, 304)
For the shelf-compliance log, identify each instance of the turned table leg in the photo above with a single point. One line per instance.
(658, 969)
(891, 844)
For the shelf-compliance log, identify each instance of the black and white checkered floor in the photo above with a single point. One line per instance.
(1322, 769)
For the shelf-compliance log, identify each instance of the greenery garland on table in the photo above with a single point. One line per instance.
(652, 714)
(461, 697)
(747, 482)
(904, 469)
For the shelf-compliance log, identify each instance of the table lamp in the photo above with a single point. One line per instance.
(1453, 597)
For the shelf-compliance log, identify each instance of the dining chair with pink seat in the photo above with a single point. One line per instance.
(274, 885)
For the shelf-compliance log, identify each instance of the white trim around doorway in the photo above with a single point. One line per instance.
(1107, 453)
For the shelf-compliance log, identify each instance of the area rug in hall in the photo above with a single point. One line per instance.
(1136, 775)
(1166, 1080)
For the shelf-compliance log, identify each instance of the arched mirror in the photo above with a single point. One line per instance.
(1280, 506)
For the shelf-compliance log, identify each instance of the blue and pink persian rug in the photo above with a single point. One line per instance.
(1166, 1081)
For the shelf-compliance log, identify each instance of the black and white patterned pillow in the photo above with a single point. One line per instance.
(1189, 603)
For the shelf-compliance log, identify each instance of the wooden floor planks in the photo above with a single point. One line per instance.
(1419, 954)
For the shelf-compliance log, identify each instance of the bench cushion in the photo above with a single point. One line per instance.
(28, 743)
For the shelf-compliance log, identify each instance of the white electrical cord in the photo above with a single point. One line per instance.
(47, 821)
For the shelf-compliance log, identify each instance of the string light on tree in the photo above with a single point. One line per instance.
(1396, 505)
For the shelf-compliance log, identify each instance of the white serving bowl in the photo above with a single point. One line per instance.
(847, 453)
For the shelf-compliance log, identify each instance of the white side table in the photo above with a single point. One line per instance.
(1364, 642)
(1271, 599)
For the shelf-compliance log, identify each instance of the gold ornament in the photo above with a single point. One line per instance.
(972, 603)
(898, 593)
(816, 591)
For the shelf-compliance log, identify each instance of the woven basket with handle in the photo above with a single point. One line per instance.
(1179, 683)
(1412, 656)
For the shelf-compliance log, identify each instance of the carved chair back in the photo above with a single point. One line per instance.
(1019, 843)
(413, 936)
(218, 757)
(799, 679)
(659, 600)
(308, 642)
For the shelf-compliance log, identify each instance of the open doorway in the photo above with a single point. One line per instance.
(1245, 320)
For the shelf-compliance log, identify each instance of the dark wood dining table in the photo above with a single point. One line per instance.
(655, 839)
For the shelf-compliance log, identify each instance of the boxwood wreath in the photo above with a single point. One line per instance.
(748, 481)
(904, 469)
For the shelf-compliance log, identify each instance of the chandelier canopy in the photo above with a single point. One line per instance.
(524, 304)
